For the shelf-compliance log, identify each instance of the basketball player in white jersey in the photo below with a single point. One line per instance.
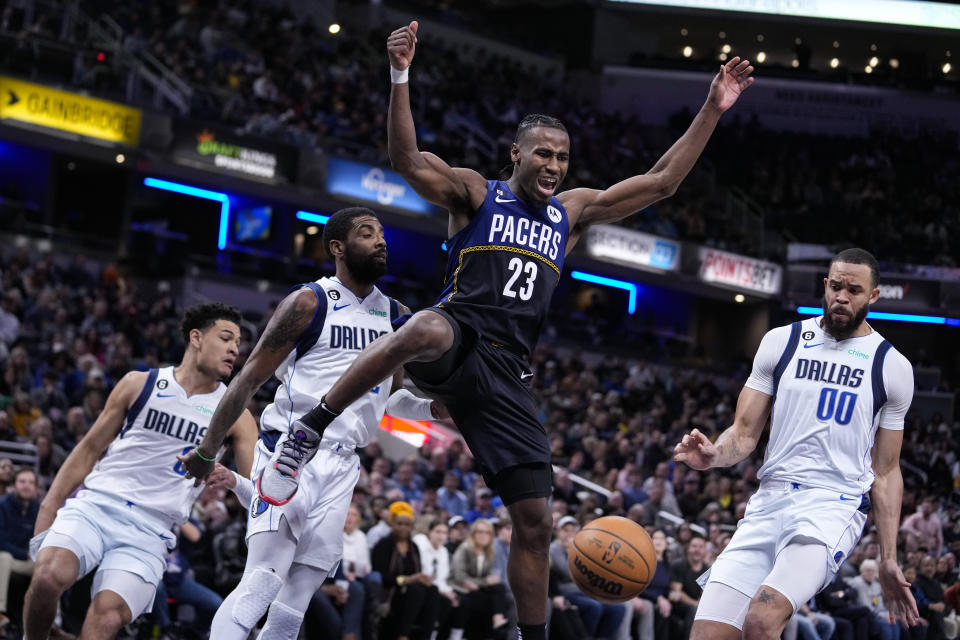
(836, 392)
(314, 335)
(132, 497)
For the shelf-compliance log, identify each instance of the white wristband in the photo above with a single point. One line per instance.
(403, 404)
(243, 489)
(399, 77)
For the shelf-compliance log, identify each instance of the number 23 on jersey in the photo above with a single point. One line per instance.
(521, 280)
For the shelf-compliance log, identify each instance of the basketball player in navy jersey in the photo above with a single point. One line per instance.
(120, 522)
(508, 240)
(836, 393)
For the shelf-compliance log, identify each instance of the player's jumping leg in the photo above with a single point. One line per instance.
(107, 614)
(269, 558)
(785, 589)
(119, 597)
(55, 570)
(287, 611)
(425, 337)
(529, 564)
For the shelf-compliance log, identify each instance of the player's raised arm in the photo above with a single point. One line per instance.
(85, 455)
(460, 191)
(593, 206)
(292, 317)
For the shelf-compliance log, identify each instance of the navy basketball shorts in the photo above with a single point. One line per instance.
(487, 390)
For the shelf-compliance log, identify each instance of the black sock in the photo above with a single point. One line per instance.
(533, 631)
(319, 417)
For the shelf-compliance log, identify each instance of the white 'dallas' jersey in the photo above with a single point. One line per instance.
(829, 399)
(342, 326)
(141, 465)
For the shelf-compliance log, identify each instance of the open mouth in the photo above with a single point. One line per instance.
(547, 184)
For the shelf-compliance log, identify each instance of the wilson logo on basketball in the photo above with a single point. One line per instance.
(596, 582)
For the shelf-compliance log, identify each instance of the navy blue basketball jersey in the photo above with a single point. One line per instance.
(504, 266)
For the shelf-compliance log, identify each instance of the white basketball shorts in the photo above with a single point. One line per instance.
(116, 535)
(783, 512)
(318, 511)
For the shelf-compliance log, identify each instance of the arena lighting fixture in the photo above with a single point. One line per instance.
(684, 32)
(687, 51)
(121, 158)
(894, 63)
(723, 57)
(911, 13)
(794, 63)
(874, 61)
(726, 48)
(629, 287)
(834, 63)
(196, 192)
(313, 230)
(738, 298)
(868, 69)
(946, 67)
(884, 315)
(307, 216)
(761, 57)
(334, 28)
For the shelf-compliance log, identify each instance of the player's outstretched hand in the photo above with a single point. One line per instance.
(695, 450)
(401, 44)
(196, 468)
(221, 477)
(896, 595)
(732, 80)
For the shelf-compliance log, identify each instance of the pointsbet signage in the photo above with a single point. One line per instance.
(739, 272)
(70, 112)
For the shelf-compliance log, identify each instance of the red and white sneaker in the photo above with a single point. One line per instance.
(279, 480)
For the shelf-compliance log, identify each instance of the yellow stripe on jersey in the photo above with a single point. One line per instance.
(495, 247)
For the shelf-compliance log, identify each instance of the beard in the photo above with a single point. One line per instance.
(841, 330)
(367, 268)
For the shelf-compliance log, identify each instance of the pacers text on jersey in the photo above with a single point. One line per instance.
(525, 232)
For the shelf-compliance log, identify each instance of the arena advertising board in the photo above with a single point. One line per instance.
(69, 112)
(217, 148)
(373, 184)
(632, 248)
(739, 272)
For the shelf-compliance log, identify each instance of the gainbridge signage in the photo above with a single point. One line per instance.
(69, 112)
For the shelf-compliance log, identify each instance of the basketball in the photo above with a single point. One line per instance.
(612, 559)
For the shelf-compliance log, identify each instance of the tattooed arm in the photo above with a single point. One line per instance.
(289, 321)
(736, 442)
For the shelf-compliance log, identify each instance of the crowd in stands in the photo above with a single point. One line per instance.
(426, 540)
(255, 67)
